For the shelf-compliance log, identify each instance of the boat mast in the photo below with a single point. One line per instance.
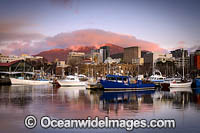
(183, 63)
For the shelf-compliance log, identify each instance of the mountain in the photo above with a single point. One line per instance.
(114, 49)
(54, 54)
(61, 54)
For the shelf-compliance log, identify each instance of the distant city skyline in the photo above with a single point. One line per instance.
(30, 27)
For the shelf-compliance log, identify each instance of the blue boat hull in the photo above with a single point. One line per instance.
(109, 96)
(110, 85)
(197, 80)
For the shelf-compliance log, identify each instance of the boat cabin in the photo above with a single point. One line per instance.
(117, 78)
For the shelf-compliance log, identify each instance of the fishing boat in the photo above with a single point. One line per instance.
(71, 80)
(21, 81)
(184, 83)
(27, 78)
(116, 82)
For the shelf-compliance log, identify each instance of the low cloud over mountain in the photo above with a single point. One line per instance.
(94, 37)
(72, 40)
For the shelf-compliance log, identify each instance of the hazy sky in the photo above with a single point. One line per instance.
(169, 23)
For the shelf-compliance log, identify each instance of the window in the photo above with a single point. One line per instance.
(119, 78)
(110, 78)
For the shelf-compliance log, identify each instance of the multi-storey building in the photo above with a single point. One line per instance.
(131, 54)
(7, 59)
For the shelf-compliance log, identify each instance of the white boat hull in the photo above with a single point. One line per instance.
(185, 89)
(15, 81)
(71, 83)
(180, 85)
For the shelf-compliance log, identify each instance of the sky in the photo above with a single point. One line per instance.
(26, 26)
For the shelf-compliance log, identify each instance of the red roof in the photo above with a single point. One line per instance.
(9, 64)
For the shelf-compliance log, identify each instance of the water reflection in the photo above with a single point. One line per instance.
(105, 102)
(19, 98)
(70, 102)
(196, 97)
(178, 97)
(131, 101)
(71, 92)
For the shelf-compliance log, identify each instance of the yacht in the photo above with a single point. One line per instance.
(180, 84)
(157, 77)
(184, 83)
(72, 80)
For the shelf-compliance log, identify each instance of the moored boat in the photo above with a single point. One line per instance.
(157, 77)
(183, 83)
(71, 81)
(180, 84)
(15, 81)
(116, 82)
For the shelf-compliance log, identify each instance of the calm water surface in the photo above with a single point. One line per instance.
(16, 102)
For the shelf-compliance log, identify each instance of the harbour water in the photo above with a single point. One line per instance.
(16, 102)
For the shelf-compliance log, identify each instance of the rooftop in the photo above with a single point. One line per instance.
(9, 64)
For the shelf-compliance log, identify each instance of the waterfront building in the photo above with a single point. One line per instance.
(144, 52)
(197, 59)
(16, 66)
(110, 60)
(105, 52)
(192, 61)
(96, 57)
(101, 54)
(25, 57)
(75, 56)
(178, 53)
(11, 58)
(151, 58)
(61, 64)
(131, 53)
(180, 61)
(117, 56)
(61, 69)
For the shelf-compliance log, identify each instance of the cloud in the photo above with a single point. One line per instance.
(13, 30)
(194, 48)
(25, 43)
(92, 37)
(23, 47)
(13, 39)
(13, 25)
(181, 42)
(20, 36)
